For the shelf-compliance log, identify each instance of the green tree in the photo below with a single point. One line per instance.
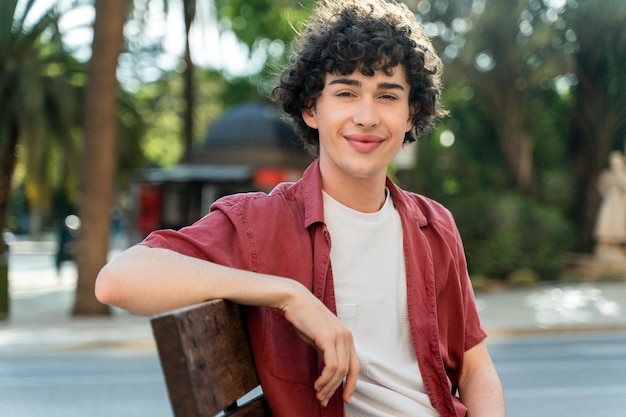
(263, 26)
(37, 102)
(511, 124)
(266, 27)
(263, 19)
(187, 124)
(599, 94)
(161, 143)
(510, 53)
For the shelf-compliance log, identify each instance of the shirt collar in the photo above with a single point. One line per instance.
(405, 204)
(311, 193)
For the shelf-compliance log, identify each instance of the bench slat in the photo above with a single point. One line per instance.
(255, 409)
(206, 359)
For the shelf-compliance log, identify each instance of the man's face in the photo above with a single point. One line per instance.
(361, 122)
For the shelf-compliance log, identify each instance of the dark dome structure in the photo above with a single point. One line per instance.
(252, 133)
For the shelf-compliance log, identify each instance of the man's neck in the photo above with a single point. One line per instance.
(366, 195)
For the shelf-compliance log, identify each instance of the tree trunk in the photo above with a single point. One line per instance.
(599, 145)
(597, 126)
(518, 148)
(515, 140)
(7, 166)
(188, 77)
(98, 163)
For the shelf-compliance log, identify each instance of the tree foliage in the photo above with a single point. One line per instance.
(154, 101)
(39, 85)
(599, 115)
(536, 99)
(267, 27)
(253, 22)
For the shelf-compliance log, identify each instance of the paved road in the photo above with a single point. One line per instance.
(83, 383)
(563, 375)
(560, 375)
(52, 365)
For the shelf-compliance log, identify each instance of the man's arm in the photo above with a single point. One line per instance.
(480, 388)
(148, 281)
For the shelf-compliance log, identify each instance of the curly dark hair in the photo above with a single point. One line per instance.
(371, 35)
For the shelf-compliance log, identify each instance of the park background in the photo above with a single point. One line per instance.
(92, 91)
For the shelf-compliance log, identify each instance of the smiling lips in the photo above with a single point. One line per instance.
(364, 143)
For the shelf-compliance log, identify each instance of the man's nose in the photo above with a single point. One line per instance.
(365, 113)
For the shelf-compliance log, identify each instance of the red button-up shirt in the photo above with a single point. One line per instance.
(284, 234)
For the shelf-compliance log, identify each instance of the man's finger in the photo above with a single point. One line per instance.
(326, 383)
(351, 378)
(337, 364)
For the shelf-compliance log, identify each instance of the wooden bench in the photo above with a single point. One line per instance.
(207, 362)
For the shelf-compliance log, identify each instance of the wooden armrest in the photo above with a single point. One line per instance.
(206, 360)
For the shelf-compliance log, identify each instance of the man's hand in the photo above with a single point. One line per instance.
(320, 328)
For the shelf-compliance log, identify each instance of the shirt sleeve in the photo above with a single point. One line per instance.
(217, 237)
(474, 332)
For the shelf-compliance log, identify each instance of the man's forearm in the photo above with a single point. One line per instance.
(482, 394)
(480, 388)
(148, 281)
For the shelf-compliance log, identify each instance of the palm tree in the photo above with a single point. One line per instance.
(37, 100)
(98, 164)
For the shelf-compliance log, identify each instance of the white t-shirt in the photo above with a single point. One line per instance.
(370, 287)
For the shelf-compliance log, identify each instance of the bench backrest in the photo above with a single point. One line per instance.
(207, 363)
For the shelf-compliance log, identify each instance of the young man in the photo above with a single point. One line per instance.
(358, 297)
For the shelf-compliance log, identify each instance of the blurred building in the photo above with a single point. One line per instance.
(250, 148)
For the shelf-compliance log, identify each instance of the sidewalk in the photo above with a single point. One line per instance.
(40, 310)
(41, 321)
(554, 308)
(41, 303)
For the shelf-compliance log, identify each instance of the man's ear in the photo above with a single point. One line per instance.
(309, 117)
(413, 109)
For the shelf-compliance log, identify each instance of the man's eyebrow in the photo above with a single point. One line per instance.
(390, 86)
(356, 83)
(346, 81)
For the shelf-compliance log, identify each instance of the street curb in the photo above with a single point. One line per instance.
(499, 332)
(143, 344)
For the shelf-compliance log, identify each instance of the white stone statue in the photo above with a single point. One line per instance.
(610, 229)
